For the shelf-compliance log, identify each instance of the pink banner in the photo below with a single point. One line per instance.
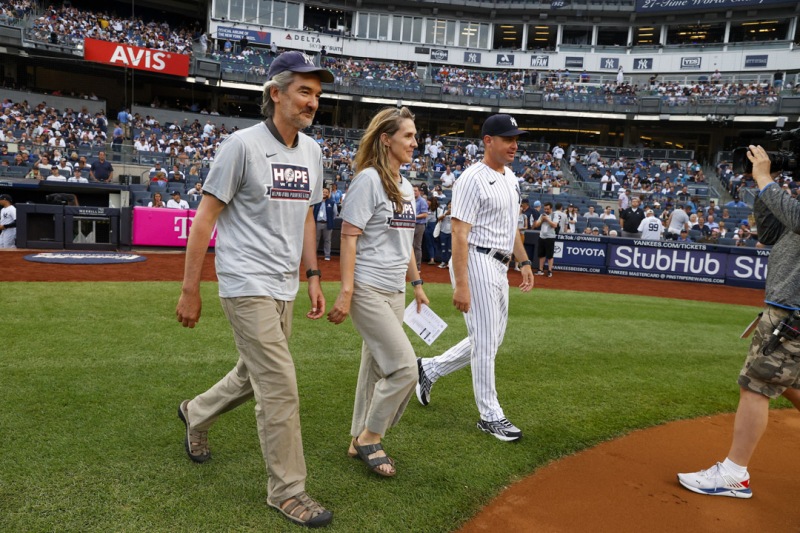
(163, 227)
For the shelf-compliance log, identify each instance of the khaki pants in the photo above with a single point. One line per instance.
(388, 371)
(265, 370)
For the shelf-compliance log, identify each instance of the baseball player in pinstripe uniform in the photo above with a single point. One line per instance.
(485, 206)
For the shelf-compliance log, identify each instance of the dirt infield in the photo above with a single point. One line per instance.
(168, 266)
(623, 485)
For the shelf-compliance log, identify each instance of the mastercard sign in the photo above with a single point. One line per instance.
(125, 55)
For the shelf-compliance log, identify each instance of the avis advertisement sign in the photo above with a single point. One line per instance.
(125, 55)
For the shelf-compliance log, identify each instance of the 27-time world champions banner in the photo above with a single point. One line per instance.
(658, 6)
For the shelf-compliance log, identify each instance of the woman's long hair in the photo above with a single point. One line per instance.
(373, 153)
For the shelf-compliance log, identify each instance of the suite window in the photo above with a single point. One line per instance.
(576, 35)
(292, 15)
(406, 29)
(397, 29)
(696, 34)
(759, 30)
(468, 35)
(542, 37)
(441, 32)
(265, 13)
(221, 9)
(612, 36)
(236, 10)
(362, 25)
(416, 34)
(450, 33)
(646, 35)
(250, 11)
(383, 27)
(279, 14)
(508, 36)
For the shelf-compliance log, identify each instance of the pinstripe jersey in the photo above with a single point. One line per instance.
(489, 201)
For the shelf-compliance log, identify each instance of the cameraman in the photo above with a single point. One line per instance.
(772, 367)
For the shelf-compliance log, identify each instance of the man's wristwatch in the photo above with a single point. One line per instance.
(526, 263)
(311, 273)
(417, 282)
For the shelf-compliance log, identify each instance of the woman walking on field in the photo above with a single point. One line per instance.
(376, 257)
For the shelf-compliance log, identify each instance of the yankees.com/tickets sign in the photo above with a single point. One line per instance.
(125, 55)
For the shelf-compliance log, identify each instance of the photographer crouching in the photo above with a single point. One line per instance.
(772, 367)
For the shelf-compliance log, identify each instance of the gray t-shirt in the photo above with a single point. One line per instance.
(546, 231)
(268, 189)
(679, 221)
(384, 248)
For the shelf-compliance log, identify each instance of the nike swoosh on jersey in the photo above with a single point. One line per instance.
(271, 155)
(492, 182)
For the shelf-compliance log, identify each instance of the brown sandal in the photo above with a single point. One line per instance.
(304, 511)
(195, 442)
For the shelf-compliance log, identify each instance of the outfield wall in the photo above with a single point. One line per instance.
(669, 260)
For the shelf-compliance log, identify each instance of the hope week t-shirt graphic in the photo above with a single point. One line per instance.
(405, 219)
(289, 182)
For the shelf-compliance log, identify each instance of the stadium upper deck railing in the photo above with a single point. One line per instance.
(531, 98)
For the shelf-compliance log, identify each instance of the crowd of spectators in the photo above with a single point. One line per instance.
(15, 10)
(38, 127)
(663, 182)
(192, 144)
(737, 183)
(460, 81)
(44, 137)
(67, 25)
(709, 92)
(349, 70)
(608, 93)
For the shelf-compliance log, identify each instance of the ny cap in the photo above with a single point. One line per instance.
(6, 197)
(501, 126)
(297, 62)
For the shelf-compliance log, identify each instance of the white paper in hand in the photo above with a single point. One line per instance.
(426, 323)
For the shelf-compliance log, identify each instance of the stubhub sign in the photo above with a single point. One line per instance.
(665, 260)
(125, 55)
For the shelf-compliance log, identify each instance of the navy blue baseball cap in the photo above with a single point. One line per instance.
(6, 197)
(298, 62)
(501, 126)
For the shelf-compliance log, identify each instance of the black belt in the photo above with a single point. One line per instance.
(505, 259)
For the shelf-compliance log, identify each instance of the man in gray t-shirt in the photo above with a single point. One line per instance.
(678, 220)
(259, 194)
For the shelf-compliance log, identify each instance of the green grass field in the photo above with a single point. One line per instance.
(91, 376)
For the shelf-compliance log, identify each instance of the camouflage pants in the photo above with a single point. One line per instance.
(770, 375)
